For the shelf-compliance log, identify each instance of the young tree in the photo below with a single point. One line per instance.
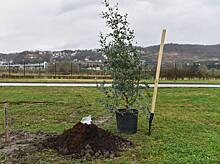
(122, 60)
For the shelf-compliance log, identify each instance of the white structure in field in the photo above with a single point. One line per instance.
(35, 65)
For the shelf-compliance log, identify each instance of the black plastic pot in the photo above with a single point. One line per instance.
(127, 121)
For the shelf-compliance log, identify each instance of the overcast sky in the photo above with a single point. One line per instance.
(76, 24)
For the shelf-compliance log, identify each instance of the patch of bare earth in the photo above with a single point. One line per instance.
(21, 143)
(85, 142)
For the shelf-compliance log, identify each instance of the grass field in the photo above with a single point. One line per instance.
(100, 80)
(186, 127)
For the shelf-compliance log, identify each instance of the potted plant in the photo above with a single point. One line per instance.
(123, 63)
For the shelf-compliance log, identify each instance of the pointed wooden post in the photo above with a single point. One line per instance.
(157, 79)
(6, 121)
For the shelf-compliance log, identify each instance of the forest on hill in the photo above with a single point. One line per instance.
(172, 53)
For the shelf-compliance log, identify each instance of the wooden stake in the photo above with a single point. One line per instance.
(6, 122)
(158, 71)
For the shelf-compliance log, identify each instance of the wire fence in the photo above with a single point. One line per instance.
(69, 70)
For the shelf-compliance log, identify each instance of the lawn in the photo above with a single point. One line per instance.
(186, 127)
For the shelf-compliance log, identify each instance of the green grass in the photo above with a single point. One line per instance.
(186, 126)
(100, 80)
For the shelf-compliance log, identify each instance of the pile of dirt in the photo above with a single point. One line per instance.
(87, 142)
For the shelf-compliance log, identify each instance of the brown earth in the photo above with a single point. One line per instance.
(22, 141)
(87, 142)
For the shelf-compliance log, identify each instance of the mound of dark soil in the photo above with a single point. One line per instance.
(88, 142)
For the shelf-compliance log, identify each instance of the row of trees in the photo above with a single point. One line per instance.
(200, 72)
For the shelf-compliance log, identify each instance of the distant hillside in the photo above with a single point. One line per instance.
(173, 52)
(185, 52)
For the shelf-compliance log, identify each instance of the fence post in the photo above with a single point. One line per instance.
(71, 69)
(38, 69)
(6, 121)
(9, 69)
(24, 69)
(55, 69)
(213, 73)
(175, 70)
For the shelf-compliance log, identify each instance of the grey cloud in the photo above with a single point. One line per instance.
(70, 5)
(75, 24)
